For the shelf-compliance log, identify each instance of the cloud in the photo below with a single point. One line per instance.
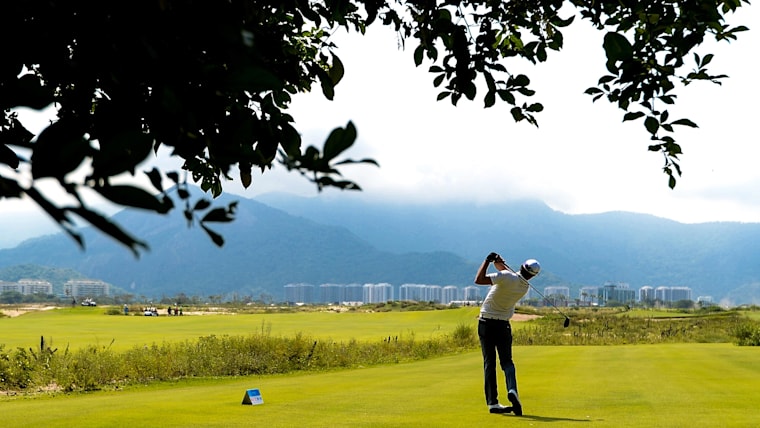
(582, 158)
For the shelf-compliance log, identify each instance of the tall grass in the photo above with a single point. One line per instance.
(97, 367)
(604, 328)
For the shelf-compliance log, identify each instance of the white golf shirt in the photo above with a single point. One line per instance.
(507, 289)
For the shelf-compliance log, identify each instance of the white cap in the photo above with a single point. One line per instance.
(531, 266)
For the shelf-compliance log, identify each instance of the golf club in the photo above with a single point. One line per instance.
(567, 319)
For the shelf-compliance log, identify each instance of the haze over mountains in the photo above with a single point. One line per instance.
(279, 239)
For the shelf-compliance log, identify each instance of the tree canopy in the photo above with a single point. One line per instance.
(212, 81)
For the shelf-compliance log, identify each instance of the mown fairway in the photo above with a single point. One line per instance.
(696, 385)
(669, 385)
(81, 326)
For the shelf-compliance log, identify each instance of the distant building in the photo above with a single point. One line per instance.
(35, 286)
(6, 287)
(663, 294)
(299, 293)
(86, 288)
(471, 293)
(557, 295)
(557, 291)
(680, 293)
(332, 293)
(646, 294)
(705, 300)
(589, 296)
(672, 294)
(449, 294)
(377, 293)
(435, 293)
(413, 292)
(353, 293)
(617, 292)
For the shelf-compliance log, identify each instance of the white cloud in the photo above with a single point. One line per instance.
(582, 159)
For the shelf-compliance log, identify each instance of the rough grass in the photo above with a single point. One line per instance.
(82, 327)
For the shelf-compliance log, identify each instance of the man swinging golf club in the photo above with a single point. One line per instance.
(494, 330)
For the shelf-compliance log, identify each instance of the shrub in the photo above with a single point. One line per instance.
(747, 334)
(464, 335)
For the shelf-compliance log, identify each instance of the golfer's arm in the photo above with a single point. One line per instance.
(500, 265)
(480, 277)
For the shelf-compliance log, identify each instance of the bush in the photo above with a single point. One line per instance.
(95, 368)
(465, 335)
(747, 334)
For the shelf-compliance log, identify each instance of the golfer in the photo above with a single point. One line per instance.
(494, 331)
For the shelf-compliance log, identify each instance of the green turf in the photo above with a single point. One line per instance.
(683, 385)
(82, 326)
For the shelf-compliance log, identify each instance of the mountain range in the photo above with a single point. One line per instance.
(279, 239)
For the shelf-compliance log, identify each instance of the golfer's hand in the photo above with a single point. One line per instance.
(492, 257)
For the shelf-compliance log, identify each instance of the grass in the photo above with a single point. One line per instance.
(83, 326)
(665, 385)
(681, 385)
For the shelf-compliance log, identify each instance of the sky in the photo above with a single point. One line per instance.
(581, 159)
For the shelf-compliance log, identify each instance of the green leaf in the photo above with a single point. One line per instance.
(110, 229)
(245, 177)
(350, 161)
(218, 215)
(328, 88)
(291, 140)
(8, 157)
(418, 54)
(201, 205)
(155, 179)
(27, 91)
(507, 96)
(59, 150)
(252, 78)
(685, 122)
(121, 152)
(339, 140)
(520, 80)
(135, 197)
(10, 188)
(337, 71)
(517, 114)
(58, 214)
(215, 237)
(535, 108)
(632, 116)
(541, 53)
(617, 47)
(652, 124)
(490, 99)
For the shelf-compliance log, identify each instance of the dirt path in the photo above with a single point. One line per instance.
(14, 311)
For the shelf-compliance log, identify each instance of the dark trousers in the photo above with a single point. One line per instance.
(496, 336)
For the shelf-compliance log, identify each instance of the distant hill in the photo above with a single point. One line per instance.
(713, 259)
(265, 249)
(280, 239)
(55, 276)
